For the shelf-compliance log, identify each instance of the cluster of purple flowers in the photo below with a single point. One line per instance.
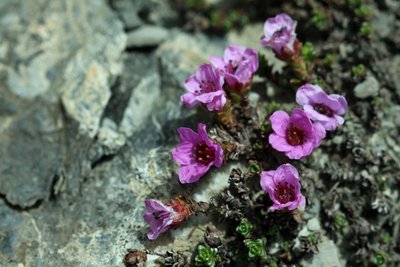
(296, 135)
(300, 133)
(233, 71)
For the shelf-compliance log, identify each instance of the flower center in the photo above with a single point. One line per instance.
(284, 192)
(231, 67)
(323, 109)
(203, 153)
(161, 215)
(206, 87)
(279, 32)
(295, 136)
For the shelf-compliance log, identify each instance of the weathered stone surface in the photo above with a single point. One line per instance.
(31, 149)
(53, 53)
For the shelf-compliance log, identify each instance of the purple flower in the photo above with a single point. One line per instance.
(323, 108)
(283, 187)
(161, 217)
(296, 136)
(279, 34)
(205, 87)
(195, 154)
(237, 66)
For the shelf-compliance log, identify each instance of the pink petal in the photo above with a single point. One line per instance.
(310, 111)
(319, 134)
(267, 181)
(301, 120)
(217, 104)
(219, 156)
(279, 122)
(305, 94)
(187, 135)
(191, 84)
(217, 62)
(202, 132)
(183, 154)
(279, 143)
(288, 171)
(342, 102)
(300, 151)
(192, 173)
(189, 100)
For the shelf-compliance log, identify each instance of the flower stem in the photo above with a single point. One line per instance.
(227, 117)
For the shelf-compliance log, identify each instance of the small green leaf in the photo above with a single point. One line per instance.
(244, 228)
(206, 256)
(256, 248)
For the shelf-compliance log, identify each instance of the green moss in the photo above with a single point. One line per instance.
(271, 107)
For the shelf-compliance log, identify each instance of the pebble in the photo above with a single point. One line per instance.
(146, 36)
(369, 87)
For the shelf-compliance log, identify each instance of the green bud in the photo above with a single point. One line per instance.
(379, 258)
(265, 127)
(358, 70)
(244, 228)
(284, 246)
(258, 145)
(273, 230)
(363, 11)
(385, 238)
(366, 29)
(340, 221)
(254, 167)
(319, 19)
(206, 256)
(381, 181)
(308, 52)
(313, 239)
(329, 60)
(256, 248)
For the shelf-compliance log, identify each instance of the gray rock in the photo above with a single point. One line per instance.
(146, 36)
(52, 53)
(314, 225)
(141, 104)
(182, 54)
(31, 149)
(393, 69)
(109, 137)
(326, 257)
(131, 20)
(369, 87)
(382, 22)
